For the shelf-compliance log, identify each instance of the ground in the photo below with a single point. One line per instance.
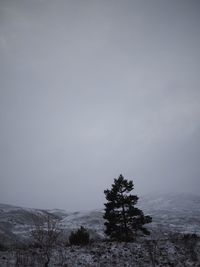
(177, 250)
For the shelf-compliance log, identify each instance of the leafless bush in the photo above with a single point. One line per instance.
(24, 258)
(29, 258)
(152, 248)
(45, 236)
(190, 243)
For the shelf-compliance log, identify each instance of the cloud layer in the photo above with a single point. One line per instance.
(92, 89)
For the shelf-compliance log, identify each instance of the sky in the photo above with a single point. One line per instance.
(91, 89)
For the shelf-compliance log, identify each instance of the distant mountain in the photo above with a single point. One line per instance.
(173, 212)
(17, 222)
(170, 213)
(171, 201)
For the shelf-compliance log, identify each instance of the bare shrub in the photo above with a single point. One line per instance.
(45, 236)
(190, 243)
(152, 248)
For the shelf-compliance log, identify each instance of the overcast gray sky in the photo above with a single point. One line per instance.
(91, 89)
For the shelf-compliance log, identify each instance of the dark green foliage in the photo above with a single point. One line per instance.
(80, 237)
(3, 247)
(123, 219)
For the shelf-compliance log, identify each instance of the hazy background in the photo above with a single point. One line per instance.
(92, 89)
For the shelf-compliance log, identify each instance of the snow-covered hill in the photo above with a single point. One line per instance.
(16, 222)
(173, 212)
(170, 213)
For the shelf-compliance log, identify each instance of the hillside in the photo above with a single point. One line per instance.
(173, 240)
(170, 213)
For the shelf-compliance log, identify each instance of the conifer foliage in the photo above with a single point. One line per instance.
(123, 219)
(80, 237)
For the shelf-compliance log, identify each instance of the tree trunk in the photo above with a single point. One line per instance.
(124, 218)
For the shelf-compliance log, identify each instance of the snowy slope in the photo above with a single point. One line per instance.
(170, 213)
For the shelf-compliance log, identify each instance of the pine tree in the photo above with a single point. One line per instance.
(123, 219)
